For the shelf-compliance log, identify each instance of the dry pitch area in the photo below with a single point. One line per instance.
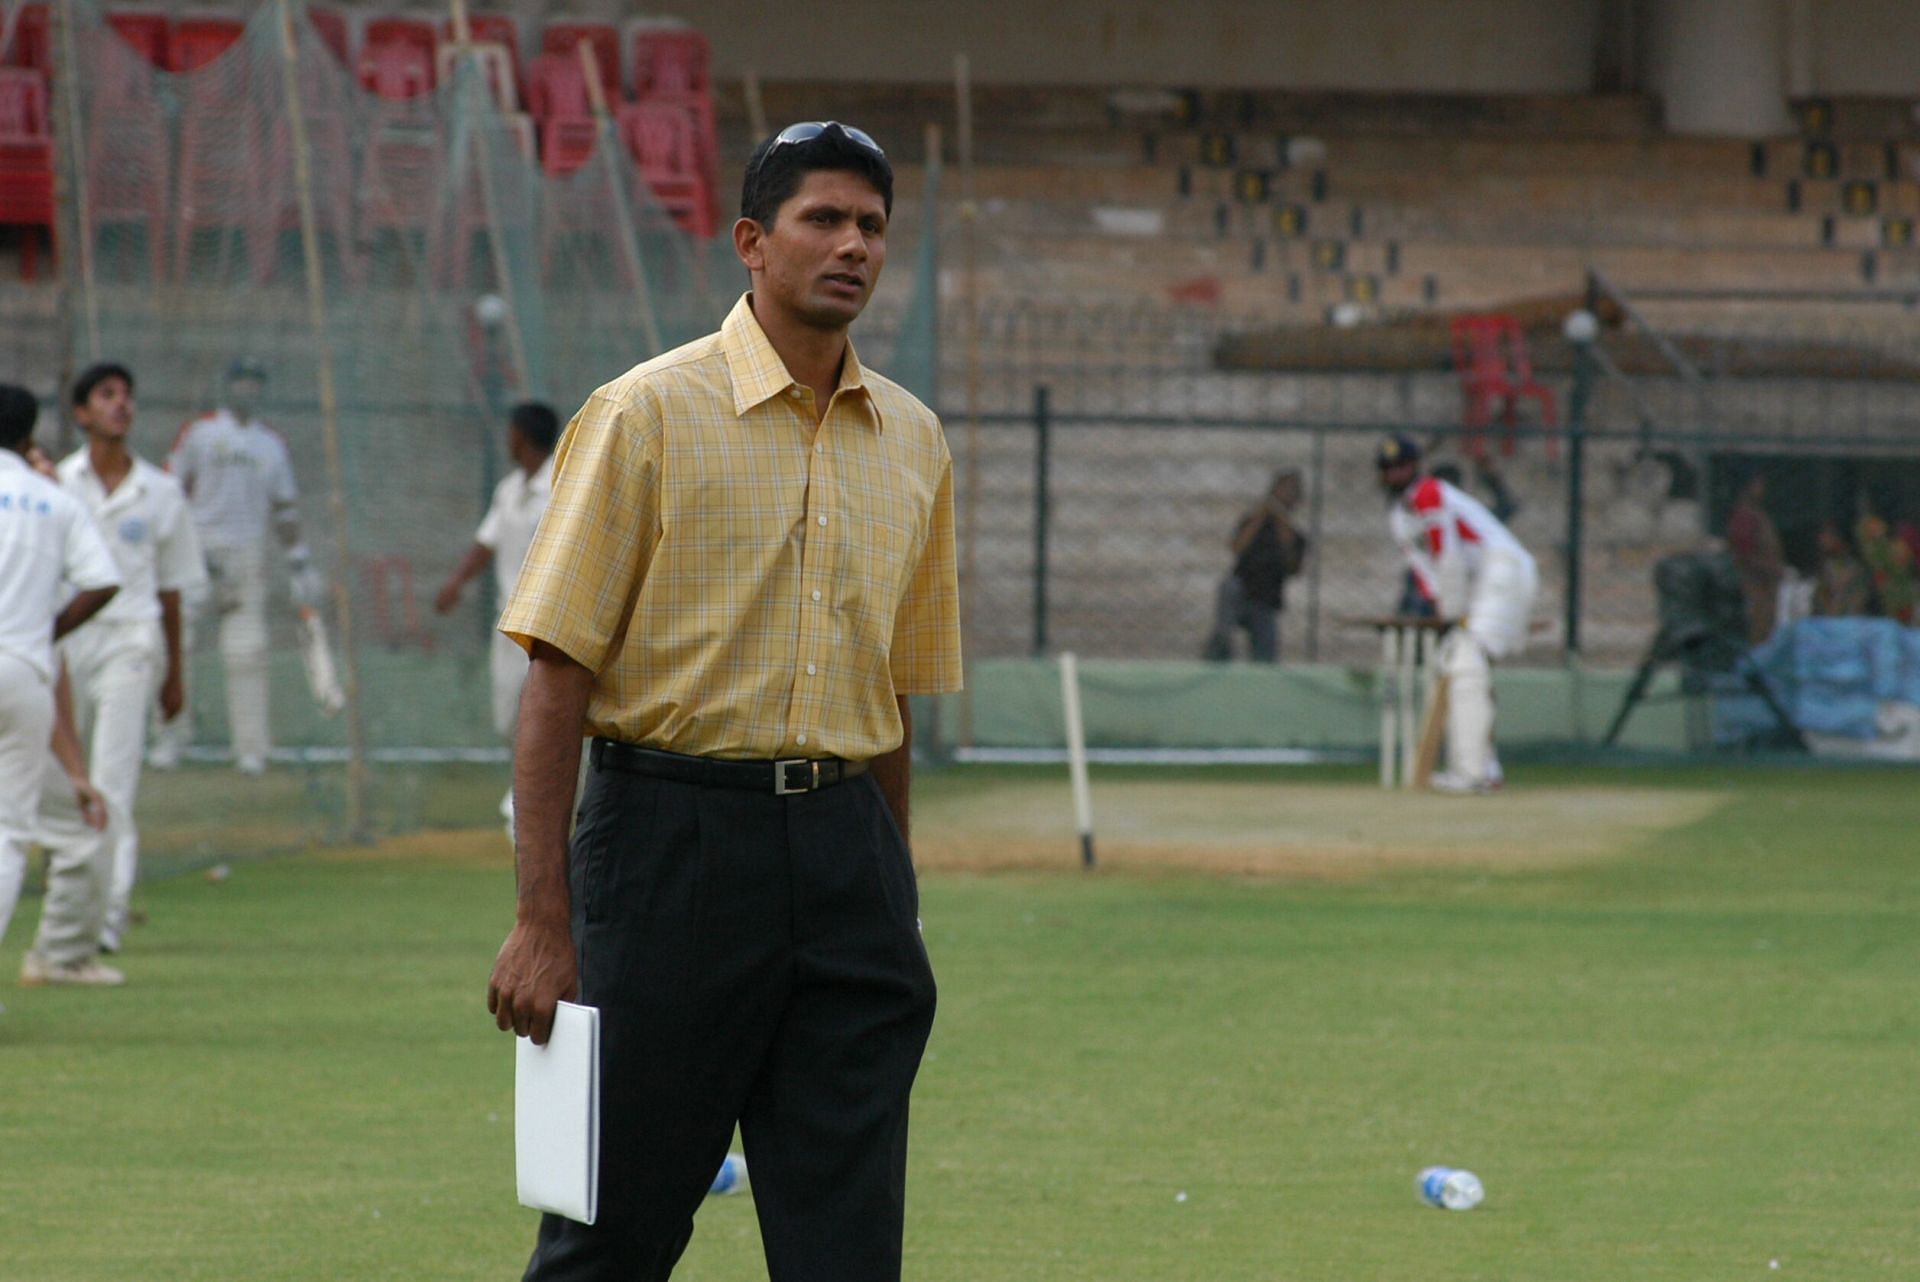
(1327, 830)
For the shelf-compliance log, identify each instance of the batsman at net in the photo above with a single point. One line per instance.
(1481, 580)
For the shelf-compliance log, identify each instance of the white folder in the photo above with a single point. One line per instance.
(556, 1116)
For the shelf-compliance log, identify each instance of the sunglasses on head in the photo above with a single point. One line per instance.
(808, 130)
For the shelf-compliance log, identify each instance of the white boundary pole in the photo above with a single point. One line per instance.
(1389, 723)
(1077, 755)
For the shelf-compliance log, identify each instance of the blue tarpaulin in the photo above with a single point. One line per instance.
(1831, 675)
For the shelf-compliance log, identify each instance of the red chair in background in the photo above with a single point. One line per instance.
(397, 71)
(197, 42)
(565, 38)
(26, 159)
(557, 88)
(129, 155)
(331, 26)
(674, 64)
(1491, 358)
(502, 83)
(450, 248)
(660, 138)
(394, 30)
(147, 32)
(32, 43)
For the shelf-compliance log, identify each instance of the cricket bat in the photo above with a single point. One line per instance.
(1433, 730)
(316, 656)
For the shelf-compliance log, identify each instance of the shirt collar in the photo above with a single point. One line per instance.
(759, 374)
(13, 458)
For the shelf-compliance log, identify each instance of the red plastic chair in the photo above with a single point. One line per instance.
(397, 71)
(565, 38)
(660, 138)
(331, 26)
(147, 32)
(671, 62)
(496, 29)
(26, 159)
(129, 154)
(394, 30)
(32, 44)
(1491, 358)
(557, 88)
(198, 42)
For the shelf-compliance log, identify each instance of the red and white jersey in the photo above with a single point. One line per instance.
(1448, 537)
(237, 477)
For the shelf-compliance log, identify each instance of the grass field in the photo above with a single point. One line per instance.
(1668, 1017)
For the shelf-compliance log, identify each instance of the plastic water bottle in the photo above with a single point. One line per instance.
(732, 1177)
(1450, 1188)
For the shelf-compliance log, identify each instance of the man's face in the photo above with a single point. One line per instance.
(107, 413)
(525, 455)
(1399, 476)
(820, 260)
(243, 396)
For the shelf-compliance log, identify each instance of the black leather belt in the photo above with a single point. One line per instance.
(797, 774)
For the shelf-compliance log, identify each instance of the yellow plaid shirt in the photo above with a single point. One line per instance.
(743, 583)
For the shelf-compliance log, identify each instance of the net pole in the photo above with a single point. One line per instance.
(359, 811)
(970, 347)
(74, 148)
(1077, 755)
(756, 106)
(490, 206)
(622, 212)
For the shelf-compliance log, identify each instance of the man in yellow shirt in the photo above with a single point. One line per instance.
(745, 567)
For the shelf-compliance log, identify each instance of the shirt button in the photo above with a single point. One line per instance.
(794, 392)
(823, 520)
(819, 448)
(799, 738)
(816, 594)
(810, 669)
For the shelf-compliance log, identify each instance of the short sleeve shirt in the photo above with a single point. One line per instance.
(742, 582)
(236, 476)
(507, 529)
(46, 540)
(147, 528)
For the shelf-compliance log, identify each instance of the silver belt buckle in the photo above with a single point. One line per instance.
(780, 788)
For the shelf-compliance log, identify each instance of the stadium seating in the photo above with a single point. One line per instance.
(1495, 370)
(557, 88)
(198, 41)
(32, 43)
(146, 30)
(397, 57)
(331, 25)
(26, 158)
(660, 138)
(565, 38)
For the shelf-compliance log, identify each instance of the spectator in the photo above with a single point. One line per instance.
(1888, 560)
(1757, 555)
(1843, 586)
(1267, 551)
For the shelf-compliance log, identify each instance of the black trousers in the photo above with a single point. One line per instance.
(755, 959)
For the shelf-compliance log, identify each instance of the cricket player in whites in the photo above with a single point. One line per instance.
(1481, 581)
(239, 482)
(55, 574)
(117, 664)
(505, 534)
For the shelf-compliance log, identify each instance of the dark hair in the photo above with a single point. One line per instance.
(94, 375)
(777, 169)
(537, 423)
(18, 413)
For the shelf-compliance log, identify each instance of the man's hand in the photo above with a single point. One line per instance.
(447, 597)
(309, 586)
(173, 694)
(536, 968)
(93, 806)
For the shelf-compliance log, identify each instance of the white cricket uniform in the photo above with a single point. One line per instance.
(1471, 567)
(507, 532)
(115, 665)
(46, 540)
(238, 478)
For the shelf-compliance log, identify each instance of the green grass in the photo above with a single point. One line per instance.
(1681, 1063)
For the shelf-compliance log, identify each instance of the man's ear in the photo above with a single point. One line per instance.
(747, 238)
